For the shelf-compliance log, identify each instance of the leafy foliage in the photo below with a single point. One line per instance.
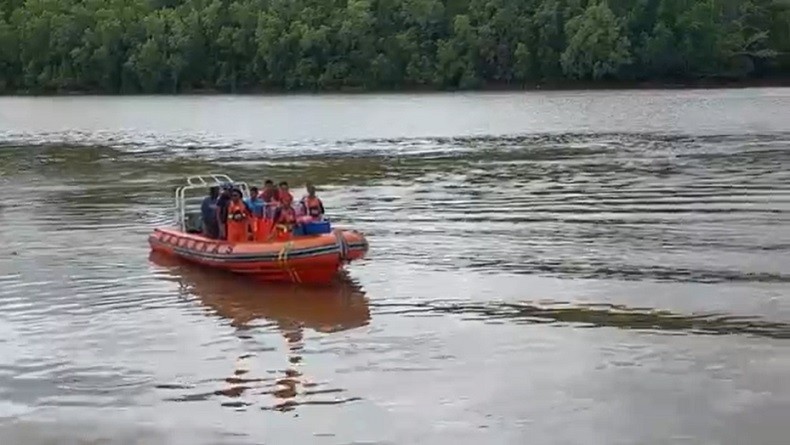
(129, 46)
(597, 46)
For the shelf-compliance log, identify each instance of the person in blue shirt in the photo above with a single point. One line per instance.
(222, 209)
(255, 203)
(208, 213)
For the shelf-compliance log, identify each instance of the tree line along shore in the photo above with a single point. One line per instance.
(171, 46)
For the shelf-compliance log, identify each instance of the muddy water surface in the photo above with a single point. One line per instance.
(559, 268)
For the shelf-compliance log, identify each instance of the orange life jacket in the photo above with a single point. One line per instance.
(269, 195)
(283, 196)
(285, 215)
(238, 213)
(313, 206)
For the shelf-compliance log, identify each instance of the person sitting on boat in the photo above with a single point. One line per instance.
(208, 211)
(285, 216)
(239, 216)
(311, 205)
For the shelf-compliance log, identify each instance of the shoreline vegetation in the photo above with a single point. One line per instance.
(702, 84)
(130, 47)
(568, 86)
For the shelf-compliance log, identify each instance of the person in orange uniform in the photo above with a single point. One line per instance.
(285, 217)
(311, 204)
(239, 217)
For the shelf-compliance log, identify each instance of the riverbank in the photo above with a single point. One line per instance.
(564, 85)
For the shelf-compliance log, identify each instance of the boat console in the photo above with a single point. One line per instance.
(188, 200)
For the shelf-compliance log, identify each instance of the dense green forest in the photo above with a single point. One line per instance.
(130, 46)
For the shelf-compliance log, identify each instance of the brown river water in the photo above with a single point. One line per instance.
(608, 267)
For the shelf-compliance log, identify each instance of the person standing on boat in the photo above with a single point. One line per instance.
(283, 194)
(255, 203)
(269, 196)
(208, 212)
(311, 205)
(222, 210)
(239, 217)
(256, 206)
(269, 193)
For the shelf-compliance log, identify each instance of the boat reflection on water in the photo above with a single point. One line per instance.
(336, 307)
(250, 305)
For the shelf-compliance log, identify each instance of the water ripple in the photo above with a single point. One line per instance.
(88, 319)
(596, 315)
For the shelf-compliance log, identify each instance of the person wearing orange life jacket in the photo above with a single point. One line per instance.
(283, 193)
(311, 205)
(239, 217)
(285, 216)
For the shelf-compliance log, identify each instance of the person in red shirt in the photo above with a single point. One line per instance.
(284, 194)
(269, 197)
(269, 193)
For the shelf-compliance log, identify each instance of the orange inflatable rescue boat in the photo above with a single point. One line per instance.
(313, 258)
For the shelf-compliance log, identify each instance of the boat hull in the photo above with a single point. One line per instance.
(306, 259)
